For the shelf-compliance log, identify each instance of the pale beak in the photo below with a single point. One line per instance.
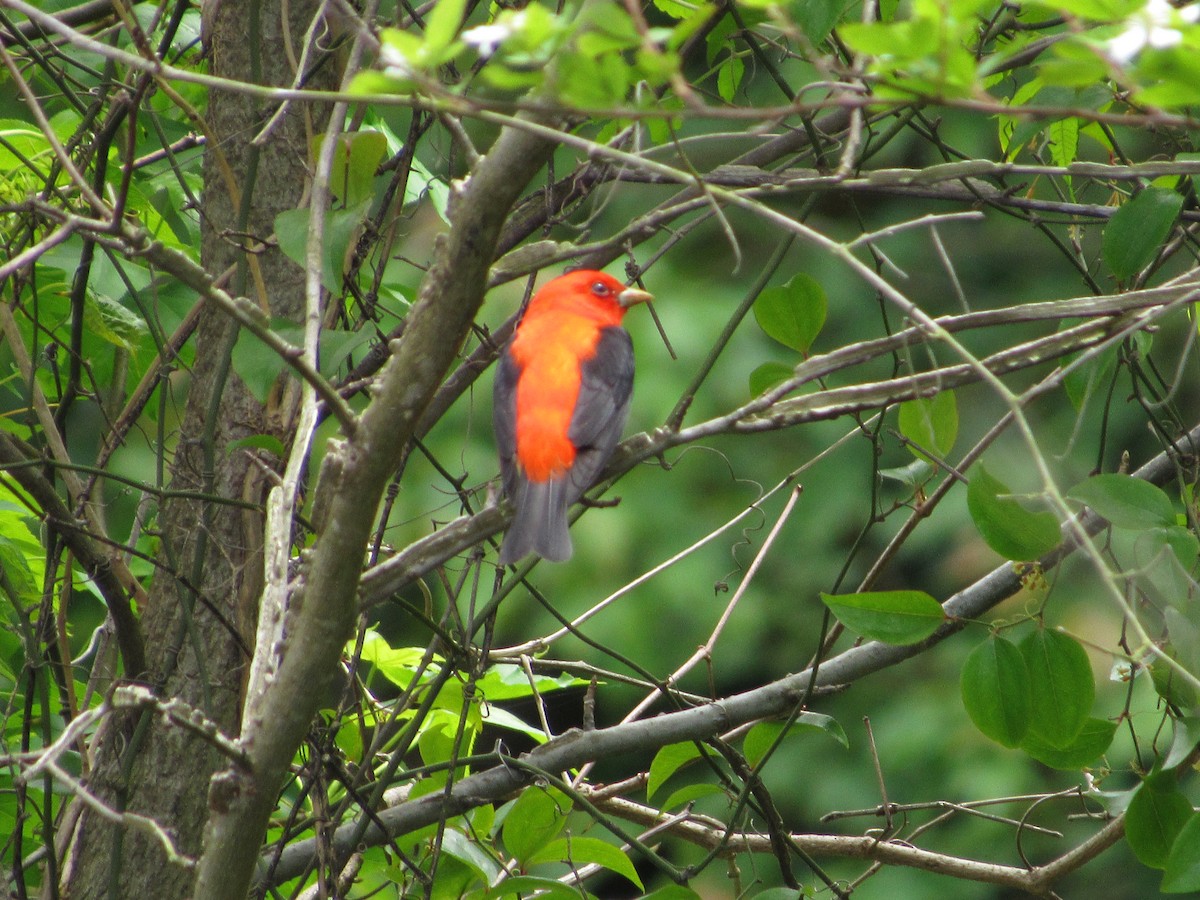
(632, 297)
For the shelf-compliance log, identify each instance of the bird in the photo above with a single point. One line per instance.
(560, 400)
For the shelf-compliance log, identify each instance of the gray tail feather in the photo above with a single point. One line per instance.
(540, 524)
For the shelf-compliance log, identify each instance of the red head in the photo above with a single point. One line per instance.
(588, 293)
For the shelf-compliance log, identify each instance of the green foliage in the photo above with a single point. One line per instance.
(793, 313)
(930, 423)
(1008, 527)
(533, 820)
(1137, 230)
(690, 136)
(894, 617)
(996, 691)
(1156, 816)
(1181, 874)
(1061, 686)
(1125, 501)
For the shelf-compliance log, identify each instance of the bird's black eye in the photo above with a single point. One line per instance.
(600, 289)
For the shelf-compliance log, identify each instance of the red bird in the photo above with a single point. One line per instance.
(561, 396)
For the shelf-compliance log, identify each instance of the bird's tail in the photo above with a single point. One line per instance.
(540, 524)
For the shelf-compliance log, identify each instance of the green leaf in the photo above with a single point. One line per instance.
(930, 423)
(1126, 502)
(1182, 873)
(533, 821)
(816, 18)
(1062, 687)
(470, 854)
(505, 681)
(894, 617)
(521, 886)
(767, 376)
(1089, 745)
(729, 76)
(357, 156)
(258, 365)
(995, 691)
(583, 851)
(396, 664)
(764, 735)
(690, 793)
(667, 761)
(1156, 816)
(1172, 686)
(108, 319)
(673, 892)
(1008, 527)
(442, 24)
(792, 313)
(22, 584)
(1090, 379)
(914, 474)
(341, 226)
(1136, 230)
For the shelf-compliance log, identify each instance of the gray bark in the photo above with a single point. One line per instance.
(201, 610)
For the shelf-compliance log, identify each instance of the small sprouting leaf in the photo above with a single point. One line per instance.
(1008, 527)
(1136, 230)
(667, 761)
(763, 736)
(792, 314)
(584, 851)
(996, 692)
(533, 821)
(1156, 816)
(1182, 874)
(767, 376)
(1089, 745)
(930, 423)
(894, 617)
(1126, 502)
(1062, 687)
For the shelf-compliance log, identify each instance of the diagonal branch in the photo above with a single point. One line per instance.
(577, 748)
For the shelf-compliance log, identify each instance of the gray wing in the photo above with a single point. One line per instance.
(602, 407)
(504, 420)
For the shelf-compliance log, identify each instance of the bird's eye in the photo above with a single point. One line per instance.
(600, 289)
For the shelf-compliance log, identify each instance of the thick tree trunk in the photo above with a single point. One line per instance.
(200, 617)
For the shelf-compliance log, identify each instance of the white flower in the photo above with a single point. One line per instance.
(487, 38)
(1155, 25)
(1122, 670)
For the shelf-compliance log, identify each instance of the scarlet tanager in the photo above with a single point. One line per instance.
(561, 396)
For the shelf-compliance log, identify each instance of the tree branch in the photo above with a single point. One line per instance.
(577, 748)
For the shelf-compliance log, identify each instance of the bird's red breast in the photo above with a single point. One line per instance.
(555, 339)
(560, 399)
